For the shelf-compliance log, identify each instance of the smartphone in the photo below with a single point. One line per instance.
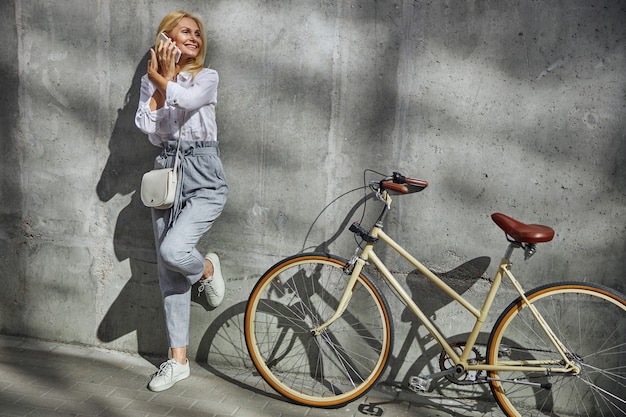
(164, 38)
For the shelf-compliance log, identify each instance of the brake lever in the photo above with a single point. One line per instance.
(399, 178)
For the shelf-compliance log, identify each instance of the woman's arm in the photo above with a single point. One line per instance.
(202, 91)
(161, 68)
(145, 118)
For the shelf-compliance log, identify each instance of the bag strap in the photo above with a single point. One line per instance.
(180, 131)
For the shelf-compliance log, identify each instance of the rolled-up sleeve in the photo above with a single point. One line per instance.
(147, 120)
(202, 91)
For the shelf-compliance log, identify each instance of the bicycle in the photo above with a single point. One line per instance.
(319, 331)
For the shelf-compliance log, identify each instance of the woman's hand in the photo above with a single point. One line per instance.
(161, 70)
(162, 62)
(166, 55)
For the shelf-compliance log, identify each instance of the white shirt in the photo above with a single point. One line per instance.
(195, 100)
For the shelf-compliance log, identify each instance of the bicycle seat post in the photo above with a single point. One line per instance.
(509, 250)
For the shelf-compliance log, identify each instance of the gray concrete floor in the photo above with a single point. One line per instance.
(49, 379)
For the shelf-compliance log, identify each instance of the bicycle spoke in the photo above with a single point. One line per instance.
(582, 318)
(558, 350)
(344, 360)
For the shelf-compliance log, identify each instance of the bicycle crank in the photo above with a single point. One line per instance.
(463, 377)
(422, 383)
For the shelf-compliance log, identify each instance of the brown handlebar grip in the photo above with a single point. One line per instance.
(417, 183)
(392, 186)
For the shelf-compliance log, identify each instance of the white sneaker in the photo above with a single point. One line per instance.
(169, 373)
(214, 287)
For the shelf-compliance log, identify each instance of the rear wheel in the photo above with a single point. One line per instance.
(590, 320)
(345, 360)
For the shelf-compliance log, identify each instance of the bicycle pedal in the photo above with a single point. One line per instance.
(419, 384)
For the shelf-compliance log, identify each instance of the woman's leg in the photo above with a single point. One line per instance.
(178, 248)
(180, 264)
(203, 198)
(175, 290)
(179, 354)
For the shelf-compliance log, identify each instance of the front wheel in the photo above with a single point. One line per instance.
(340, 364)
(590, 321)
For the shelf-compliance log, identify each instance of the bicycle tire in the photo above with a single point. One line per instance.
(341, 364)
(590, 320)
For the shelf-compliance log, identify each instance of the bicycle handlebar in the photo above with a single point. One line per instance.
(400, 184)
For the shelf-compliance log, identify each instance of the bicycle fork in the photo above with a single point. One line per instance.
(356, 264)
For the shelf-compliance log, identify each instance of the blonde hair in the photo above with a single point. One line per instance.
(169, 22)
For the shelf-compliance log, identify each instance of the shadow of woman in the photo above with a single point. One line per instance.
(138, 306)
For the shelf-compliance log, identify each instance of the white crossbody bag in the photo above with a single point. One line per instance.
(158, 187)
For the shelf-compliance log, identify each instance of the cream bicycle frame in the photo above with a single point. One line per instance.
(553, 366)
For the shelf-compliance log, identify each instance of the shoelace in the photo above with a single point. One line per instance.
(165, 368)
(205, 285)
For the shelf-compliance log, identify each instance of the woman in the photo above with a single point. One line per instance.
(177, 100)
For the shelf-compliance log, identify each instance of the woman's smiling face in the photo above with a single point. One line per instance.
(187, 37)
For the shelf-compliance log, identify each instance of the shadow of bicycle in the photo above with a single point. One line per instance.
(223, 352)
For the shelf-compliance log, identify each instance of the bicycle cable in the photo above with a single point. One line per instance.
(364, 187)
(322, 212)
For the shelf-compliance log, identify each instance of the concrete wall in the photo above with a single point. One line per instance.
(513, 106)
